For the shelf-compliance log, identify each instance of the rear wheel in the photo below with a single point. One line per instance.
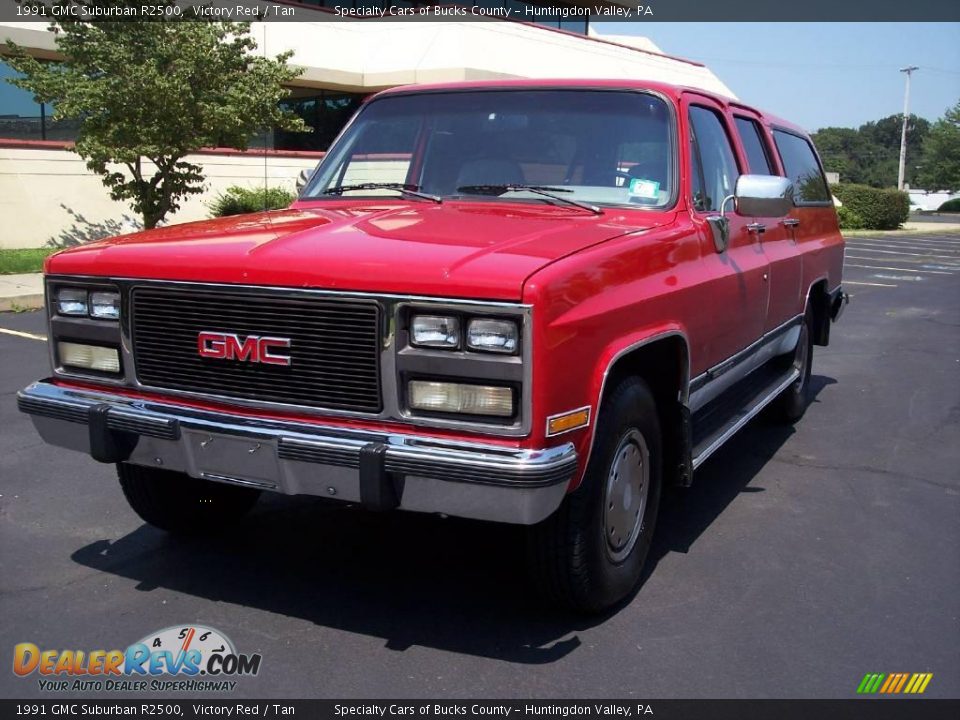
(178, 503)
(589, 555)
(792, 403)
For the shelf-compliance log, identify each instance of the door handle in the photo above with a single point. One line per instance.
(791, 222)
(758, 228)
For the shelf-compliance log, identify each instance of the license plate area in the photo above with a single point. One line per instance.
(224, 458)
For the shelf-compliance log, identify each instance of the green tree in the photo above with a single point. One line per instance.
(870, 154)
(844, 151)
(150, 93)
(940, 162)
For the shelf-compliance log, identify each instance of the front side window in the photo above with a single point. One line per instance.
(801, 166)
(714, 166)
(594, 146)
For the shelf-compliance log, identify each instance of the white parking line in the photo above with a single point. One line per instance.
(871, 245)
(922, 242)
(20, 333)
(897, 252)
(941, 265)
(884, 267)
(907, 239)
(854, 282)
(909, 246)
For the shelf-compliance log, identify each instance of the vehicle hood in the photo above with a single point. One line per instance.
(457, 249)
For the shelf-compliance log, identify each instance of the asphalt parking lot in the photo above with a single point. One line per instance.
(801, 559)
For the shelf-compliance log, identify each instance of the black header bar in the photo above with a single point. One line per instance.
(720, 11)
(204, 708)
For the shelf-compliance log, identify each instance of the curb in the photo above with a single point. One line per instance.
(21, 302)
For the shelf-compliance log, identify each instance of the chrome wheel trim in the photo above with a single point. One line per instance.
(625, 495)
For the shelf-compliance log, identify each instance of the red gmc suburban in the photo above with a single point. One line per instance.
(532, 302)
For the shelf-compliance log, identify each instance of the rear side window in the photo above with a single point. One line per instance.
(800, 163)
(753, 143)
(715, 169)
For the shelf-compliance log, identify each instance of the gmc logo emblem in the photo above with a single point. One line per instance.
(252, 348)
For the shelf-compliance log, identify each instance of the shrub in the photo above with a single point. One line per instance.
(240, 200)
(849, 220)
(871, 208)
(950, 206)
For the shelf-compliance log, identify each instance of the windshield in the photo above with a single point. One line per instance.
(594, 146)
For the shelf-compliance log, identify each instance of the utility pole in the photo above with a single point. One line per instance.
(903, 134)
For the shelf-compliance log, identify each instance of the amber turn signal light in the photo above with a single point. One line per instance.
(565, 422)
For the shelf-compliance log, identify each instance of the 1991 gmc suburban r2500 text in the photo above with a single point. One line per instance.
(530, 302)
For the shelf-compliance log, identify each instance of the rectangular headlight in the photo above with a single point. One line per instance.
(105, 305)
(499, 336)
(71, 301)
(435, 331)
(460, 398)
(91, 357)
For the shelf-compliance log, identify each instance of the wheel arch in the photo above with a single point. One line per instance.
(662, 359)
(818, 301)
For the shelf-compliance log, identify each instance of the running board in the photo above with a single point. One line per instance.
(745, 410)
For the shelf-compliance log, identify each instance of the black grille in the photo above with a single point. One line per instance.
(333, 347)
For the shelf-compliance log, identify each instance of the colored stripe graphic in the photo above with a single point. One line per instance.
(894, 683)
(870, 683)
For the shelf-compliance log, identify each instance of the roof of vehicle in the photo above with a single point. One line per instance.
(671, 91)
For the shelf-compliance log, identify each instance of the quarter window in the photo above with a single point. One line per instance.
(753, 143)
(800, 163)
(715, 169)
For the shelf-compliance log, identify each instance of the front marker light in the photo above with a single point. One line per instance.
(460, 398)
(90, 357)
(499, 336)
(435, 331)
(105, 305)
(71, 301)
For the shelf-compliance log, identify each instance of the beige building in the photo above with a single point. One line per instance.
(48, 196)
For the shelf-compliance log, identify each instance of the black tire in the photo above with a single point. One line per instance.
(792, 403)
(571, 559)
(180, 504)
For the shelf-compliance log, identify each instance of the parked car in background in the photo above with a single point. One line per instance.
(530, 302)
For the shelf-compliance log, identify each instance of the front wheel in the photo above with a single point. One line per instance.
(589, 554)
(178, 503)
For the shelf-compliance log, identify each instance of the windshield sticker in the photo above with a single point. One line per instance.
(648, 189)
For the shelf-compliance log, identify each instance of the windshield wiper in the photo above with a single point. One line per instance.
(399, 187)
(544, 190)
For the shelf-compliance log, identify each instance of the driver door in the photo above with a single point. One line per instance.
(734, 294)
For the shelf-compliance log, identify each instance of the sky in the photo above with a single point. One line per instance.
(820, 74)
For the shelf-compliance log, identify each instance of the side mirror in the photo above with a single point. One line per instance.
(303, 178)
(763, 196)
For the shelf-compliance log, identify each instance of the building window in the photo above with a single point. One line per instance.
(23, 118)
(324, 111)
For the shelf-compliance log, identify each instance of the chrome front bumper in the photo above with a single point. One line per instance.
(379, 470)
